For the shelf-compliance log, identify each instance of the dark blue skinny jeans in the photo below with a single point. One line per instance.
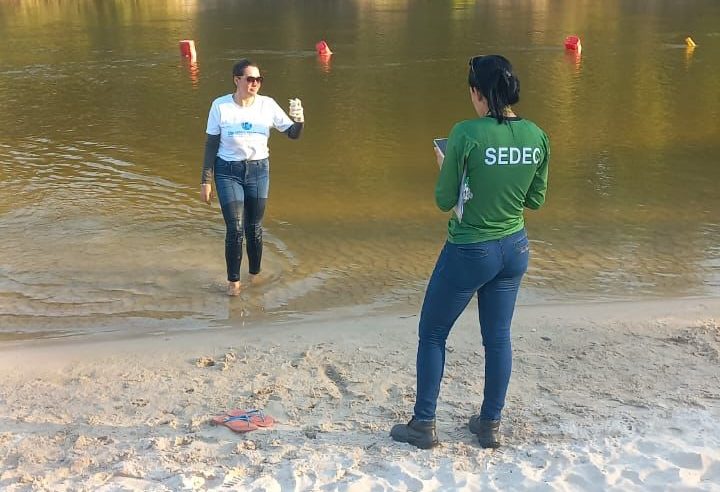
(242, 189)
(493, 270)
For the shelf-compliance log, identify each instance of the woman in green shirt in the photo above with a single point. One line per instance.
(494, 166)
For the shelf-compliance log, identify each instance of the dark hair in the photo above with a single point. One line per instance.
(239, 67)
(493, 77)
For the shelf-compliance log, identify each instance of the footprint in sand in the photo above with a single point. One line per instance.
(233, 478)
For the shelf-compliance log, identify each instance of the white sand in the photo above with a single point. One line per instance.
(620, 396)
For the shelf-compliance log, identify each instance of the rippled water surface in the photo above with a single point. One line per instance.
(102, 134)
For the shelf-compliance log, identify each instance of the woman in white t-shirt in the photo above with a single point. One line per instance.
(236, 154)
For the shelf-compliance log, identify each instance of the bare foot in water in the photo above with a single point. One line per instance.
(255, 279)
(233, 288)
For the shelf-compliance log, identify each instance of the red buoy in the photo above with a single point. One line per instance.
(187, 49)
(322, 48)
(573, 43)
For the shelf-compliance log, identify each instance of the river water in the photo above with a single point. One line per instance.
(102, 133)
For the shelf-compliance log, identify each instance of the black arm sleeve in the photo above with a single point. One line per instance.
(294, 131)
(212, 144)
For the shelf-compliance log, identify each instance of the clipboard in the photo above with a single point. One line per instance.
(464, 192)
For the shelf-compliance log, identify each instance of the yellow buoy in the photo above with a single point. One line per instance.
(689, 42)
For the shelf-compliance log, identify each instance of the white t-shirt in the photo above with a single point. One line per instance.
(244, 130)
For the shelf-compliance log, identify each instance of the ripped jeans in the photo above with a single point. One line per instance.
(242, 189)
(493, 270)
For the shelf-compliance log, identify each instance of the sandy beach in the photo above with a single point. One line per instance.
(606, 396)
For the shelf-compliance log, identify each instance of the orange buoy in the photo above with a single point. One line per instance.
(689, 42)
(573, 43)
(187, 49)
(322, 48)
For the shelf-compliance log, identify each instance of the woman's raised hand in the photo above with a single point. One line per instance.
(296, 111)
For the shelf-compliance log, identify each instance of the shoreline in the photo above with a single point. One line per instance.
(604, 396)
(126, 329)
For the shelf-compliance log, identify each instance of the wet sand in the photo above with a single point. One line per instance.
(604, 396)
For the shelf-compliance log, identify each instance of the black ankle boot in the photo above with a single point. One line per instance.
(420, 434)
(487, 431)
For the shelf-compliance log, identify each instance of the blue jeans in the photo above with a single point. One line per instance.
(242, 189)
(494, 270)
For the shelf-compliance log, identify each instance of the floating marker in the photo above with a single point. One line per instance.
(187, 49)
(573, 43)
(323, 49)
(689, 42)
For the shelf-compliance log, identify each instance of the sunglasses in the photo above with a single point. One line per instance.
(251, 80)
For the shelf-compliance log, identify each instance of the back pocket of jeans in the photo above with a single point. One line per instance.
(522, 246)
(466, 266)
(472, 252)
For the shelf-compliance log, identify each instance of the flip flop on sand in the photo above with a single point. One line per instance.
(240, 420)
(236, 423)
(256, 416)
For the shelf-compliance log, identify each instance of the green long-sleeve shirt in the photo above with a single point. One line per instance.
(507, 169)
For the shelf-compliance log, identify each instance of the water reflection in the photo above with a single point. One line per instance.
(194, 72)
(574, 57)
(102, 138)
(689, 50)
(324, 62)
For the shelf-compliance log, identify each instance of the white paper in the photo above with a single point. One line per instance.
(464, 193)
(462, 196)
